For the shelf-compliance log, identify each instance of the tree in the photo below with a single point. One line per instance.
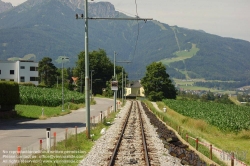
(157, 84)
(102, 69)
(47, 72)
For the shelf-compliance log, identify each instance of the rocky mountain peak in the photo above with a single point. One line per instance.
(5, 6)
(96, 9)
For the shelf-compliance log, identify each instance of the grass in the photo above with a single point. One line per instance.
(35, 112)
(228, 141)
(181, 55)
(189, 85)
(70, 151)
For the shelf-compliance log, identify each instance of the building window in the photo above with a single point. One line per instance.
(33, 78)
(22, 67)
(22, 79)
(32, 68)
(0, 71)
(12, 72)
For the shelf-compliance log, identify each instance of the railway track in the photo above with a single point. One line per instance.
(131, 147)
(138, 138)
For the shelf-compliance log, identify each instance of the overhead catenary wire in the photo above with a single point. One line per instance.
(138, 31)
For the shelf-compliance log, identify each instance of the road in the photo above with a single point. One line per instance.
(28, 133)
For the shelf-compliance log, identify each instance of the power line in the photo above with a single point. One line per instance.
(138, 31)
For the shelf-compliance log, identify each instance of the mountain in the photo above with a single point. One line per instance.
(5, 6)
(49, 28)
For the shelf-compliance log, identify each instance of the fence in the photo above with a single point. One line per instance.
(225, 156)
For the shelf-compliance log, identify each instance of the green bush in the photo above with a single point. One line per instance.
(9, 93)
(27, 84)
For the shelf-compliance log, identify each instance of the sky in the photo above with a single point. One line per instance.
(226, 18)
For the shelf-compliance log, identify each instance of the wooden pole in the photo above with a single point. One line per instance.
(54, 141)
(211, 151)
(197, 142)
(41, 145)
(66, 136)
(232, 159)
(76, 132)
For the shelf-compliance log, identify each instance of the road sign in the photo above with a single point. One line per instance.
(114, 85)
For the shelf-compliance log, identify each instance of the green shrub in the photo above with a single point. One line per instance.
(9, 93)
(27, 84)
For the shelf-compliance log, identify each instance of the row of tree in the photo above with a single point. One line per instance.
(100, 66)
(206, 97)
(157, 84)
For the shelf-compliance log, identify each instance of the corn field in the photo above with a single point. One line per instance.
(49, 97)
(224, 116)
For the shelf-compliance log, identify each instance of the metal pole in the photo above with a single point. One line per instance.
(122, 86)
(81, 82)
(91, 84)
(115, 80)
(62, 87)
(125, 86)
(87, 103)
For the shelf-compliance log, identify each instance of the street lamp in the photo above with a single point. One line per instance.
(91, 88)
(62, 84)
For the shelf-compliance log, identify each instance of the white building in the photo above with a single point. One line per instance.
(19, 71)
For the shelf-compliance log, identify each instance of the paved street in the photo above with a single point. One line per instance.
(28, 133)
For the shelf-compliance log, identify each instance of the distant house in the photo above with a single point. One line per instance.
(134, 90)
(19, 71)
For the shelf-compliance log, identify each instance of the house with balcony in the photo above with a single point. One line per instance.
(134, 89)
(22, 71)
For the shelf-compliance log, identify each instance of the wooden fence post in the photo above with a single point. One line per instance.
(211, 151)
(54, 141)
(196, 144)
(66, 136)
(76, 132)
(41, 145)
(232, 159)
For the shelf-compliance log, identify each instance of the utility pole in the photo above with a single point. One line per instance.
(122, 86)
(122, 76)
(63, 85)
(115, 80)
(125, 85)
(87, 99)
(91, 89)
(81, 82)
(87, 102)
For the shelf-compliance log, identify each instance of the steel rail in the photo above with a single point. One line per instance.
(112, 160)
(143, 138)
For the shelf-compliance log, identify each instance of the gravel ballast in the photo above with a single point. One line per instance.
(100, 152)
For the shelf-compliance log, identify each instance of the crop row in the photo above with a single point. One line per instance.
(50, 97)
(225, 117)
